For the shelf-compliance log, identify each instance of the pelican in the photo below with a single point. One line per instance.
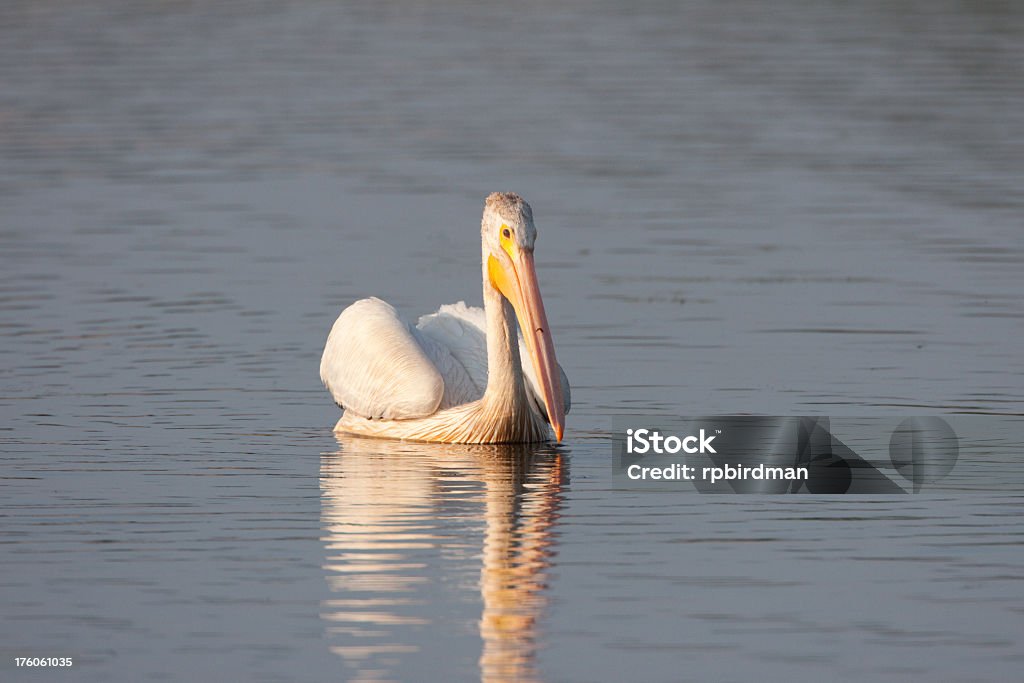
(457, 376)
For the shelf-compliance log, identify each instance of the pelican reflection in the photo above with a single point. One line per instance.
(418, 535)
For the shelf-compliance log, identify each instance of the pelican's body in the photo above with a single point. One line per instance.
(457, 376)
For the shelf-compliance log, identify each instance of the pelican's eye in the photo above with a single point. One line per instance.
(507, 243)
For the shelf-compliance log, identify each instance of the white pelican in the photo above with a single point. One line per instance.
(457, 375)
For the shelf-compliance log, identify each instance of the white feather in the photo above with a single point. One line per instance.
(373, 366)
(462, 330)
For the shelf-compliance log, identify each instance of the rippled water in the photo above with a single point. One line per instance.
(788, 209)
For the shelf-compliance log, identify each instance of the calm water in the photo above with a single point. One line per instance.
(801, 208)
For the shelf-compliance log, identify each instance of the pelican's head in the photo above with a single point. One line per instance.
(508, 236)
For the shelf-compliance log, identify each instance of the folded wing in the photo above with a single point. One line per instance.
(379, 367)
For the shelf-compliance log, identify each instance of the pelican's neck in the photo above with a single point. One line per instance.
(505, 384)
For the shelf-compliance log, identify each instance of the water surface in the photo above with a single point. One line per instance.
(794, 209)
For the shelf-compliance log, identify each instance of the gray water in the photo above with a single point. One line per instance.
(786, 208)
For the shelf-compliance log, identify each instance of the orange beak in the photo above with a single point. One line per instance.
(518, 283)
